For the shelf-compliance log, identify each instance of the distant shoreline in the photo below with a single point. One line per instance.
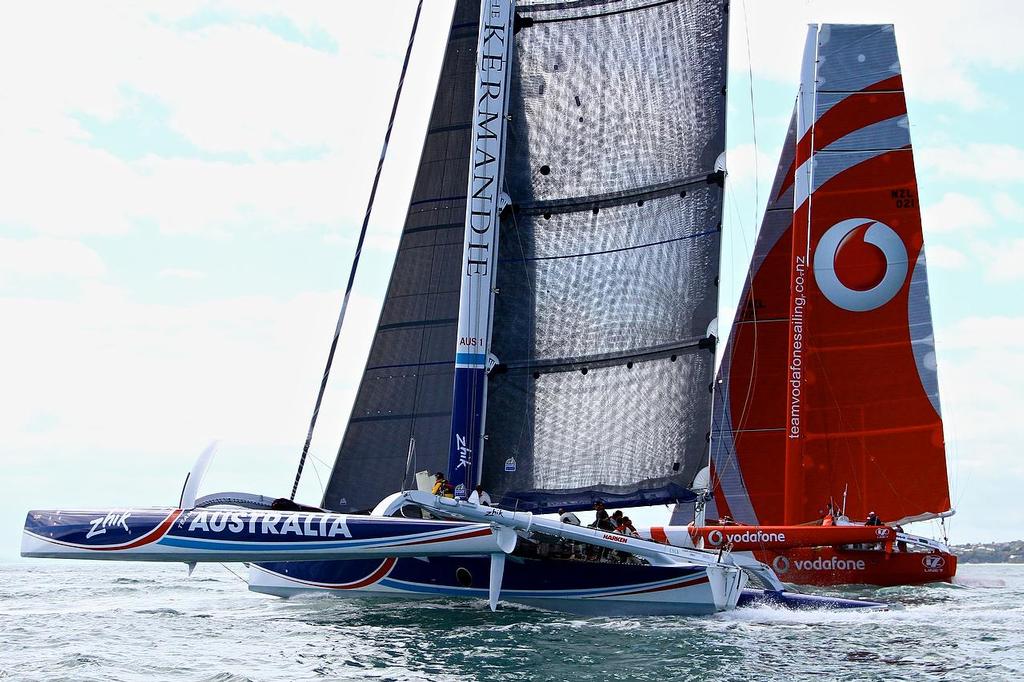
(990, 552)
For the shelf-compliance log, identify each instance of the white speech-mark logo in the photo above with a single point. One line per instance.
(715, 537)
(881, 283)
(780, 564)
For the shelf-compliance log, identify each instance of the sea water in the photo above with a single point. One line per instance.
(120, 621)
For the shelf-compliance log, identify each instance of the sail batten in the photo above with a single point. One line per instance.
(588, 203)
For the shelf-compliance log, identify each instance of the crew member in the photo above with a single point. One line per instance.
(442, 487)
(626, 527)
(873, 520)
(480, 496)
(568, 517)
(601, 519)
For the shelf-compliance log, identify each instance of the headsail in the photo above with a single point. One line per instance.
(406, 389)
(828, 384)
(607, 280)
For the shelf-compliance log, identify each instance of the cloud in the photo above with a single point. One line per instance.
(984, 334)
(143, 379)
(44, 258)
(1003, 262)
(181, 273)
(1008, 207)
(981, 370)
(940, 256)
(214, 125)
(742, 163)
(955, 212)
(940, 51)
(973, 162)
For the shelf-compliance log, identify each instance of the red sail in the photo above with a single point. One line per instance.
(828, 384)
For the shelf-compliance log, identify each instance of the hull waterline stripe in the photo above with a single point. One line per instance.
(380, 572)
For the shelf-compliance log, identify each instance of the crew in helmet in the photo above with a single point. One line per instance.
(873, 520)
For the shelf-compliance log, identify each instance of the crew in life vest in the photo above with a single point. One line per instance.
(442, 487)
(830, 515)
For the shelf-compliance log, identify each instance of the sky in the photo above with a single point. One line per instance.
(182, 183)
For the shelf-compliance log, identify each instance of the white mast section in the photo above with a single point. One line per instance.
(485, 201)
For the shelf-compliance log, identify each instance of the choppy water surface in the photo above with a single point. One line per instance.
(115, 621)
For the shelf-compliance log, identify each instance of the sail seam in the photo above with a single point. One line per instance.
(619, 250)
(435, 200)
(860, 150)
(429, 228)
(409, 364)
(411, 415)
(417, 323)
(602, 360)
(595, 201)
(860, 92)
(762, 319)
(570, 4)
(449, 128)
(553, 20)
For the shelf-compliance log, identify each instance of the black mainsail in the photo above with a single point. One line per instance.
(607, 269)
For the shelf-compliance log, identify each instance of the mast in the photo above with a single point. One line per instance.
(485, 201)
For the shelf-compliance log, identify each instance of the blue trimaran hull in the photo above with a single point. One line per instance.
(579, 587)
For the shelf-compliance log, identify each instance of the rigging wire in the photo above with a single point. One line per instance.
(753, 121)
(355, 258)
(228, 569)
(530, 325)
(747, 293)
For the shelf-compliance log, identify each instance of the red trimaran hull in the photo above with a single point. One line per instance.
(822, 555)
(826, 566)
(827, 390)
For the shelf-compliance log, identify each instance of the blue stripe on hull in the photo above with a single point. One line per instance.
(575, 587)
(524, 578)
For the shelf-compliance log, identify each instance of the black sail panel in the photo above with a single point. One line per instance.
(406, 389)
(608, 264)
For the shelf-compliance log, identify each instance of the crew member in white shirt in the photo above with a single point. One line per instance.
(568, 517)
(480, 496)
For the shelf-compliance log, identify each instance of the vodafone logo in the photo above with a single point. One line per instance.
(860, 264)
(780, 564)
(715, 538)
